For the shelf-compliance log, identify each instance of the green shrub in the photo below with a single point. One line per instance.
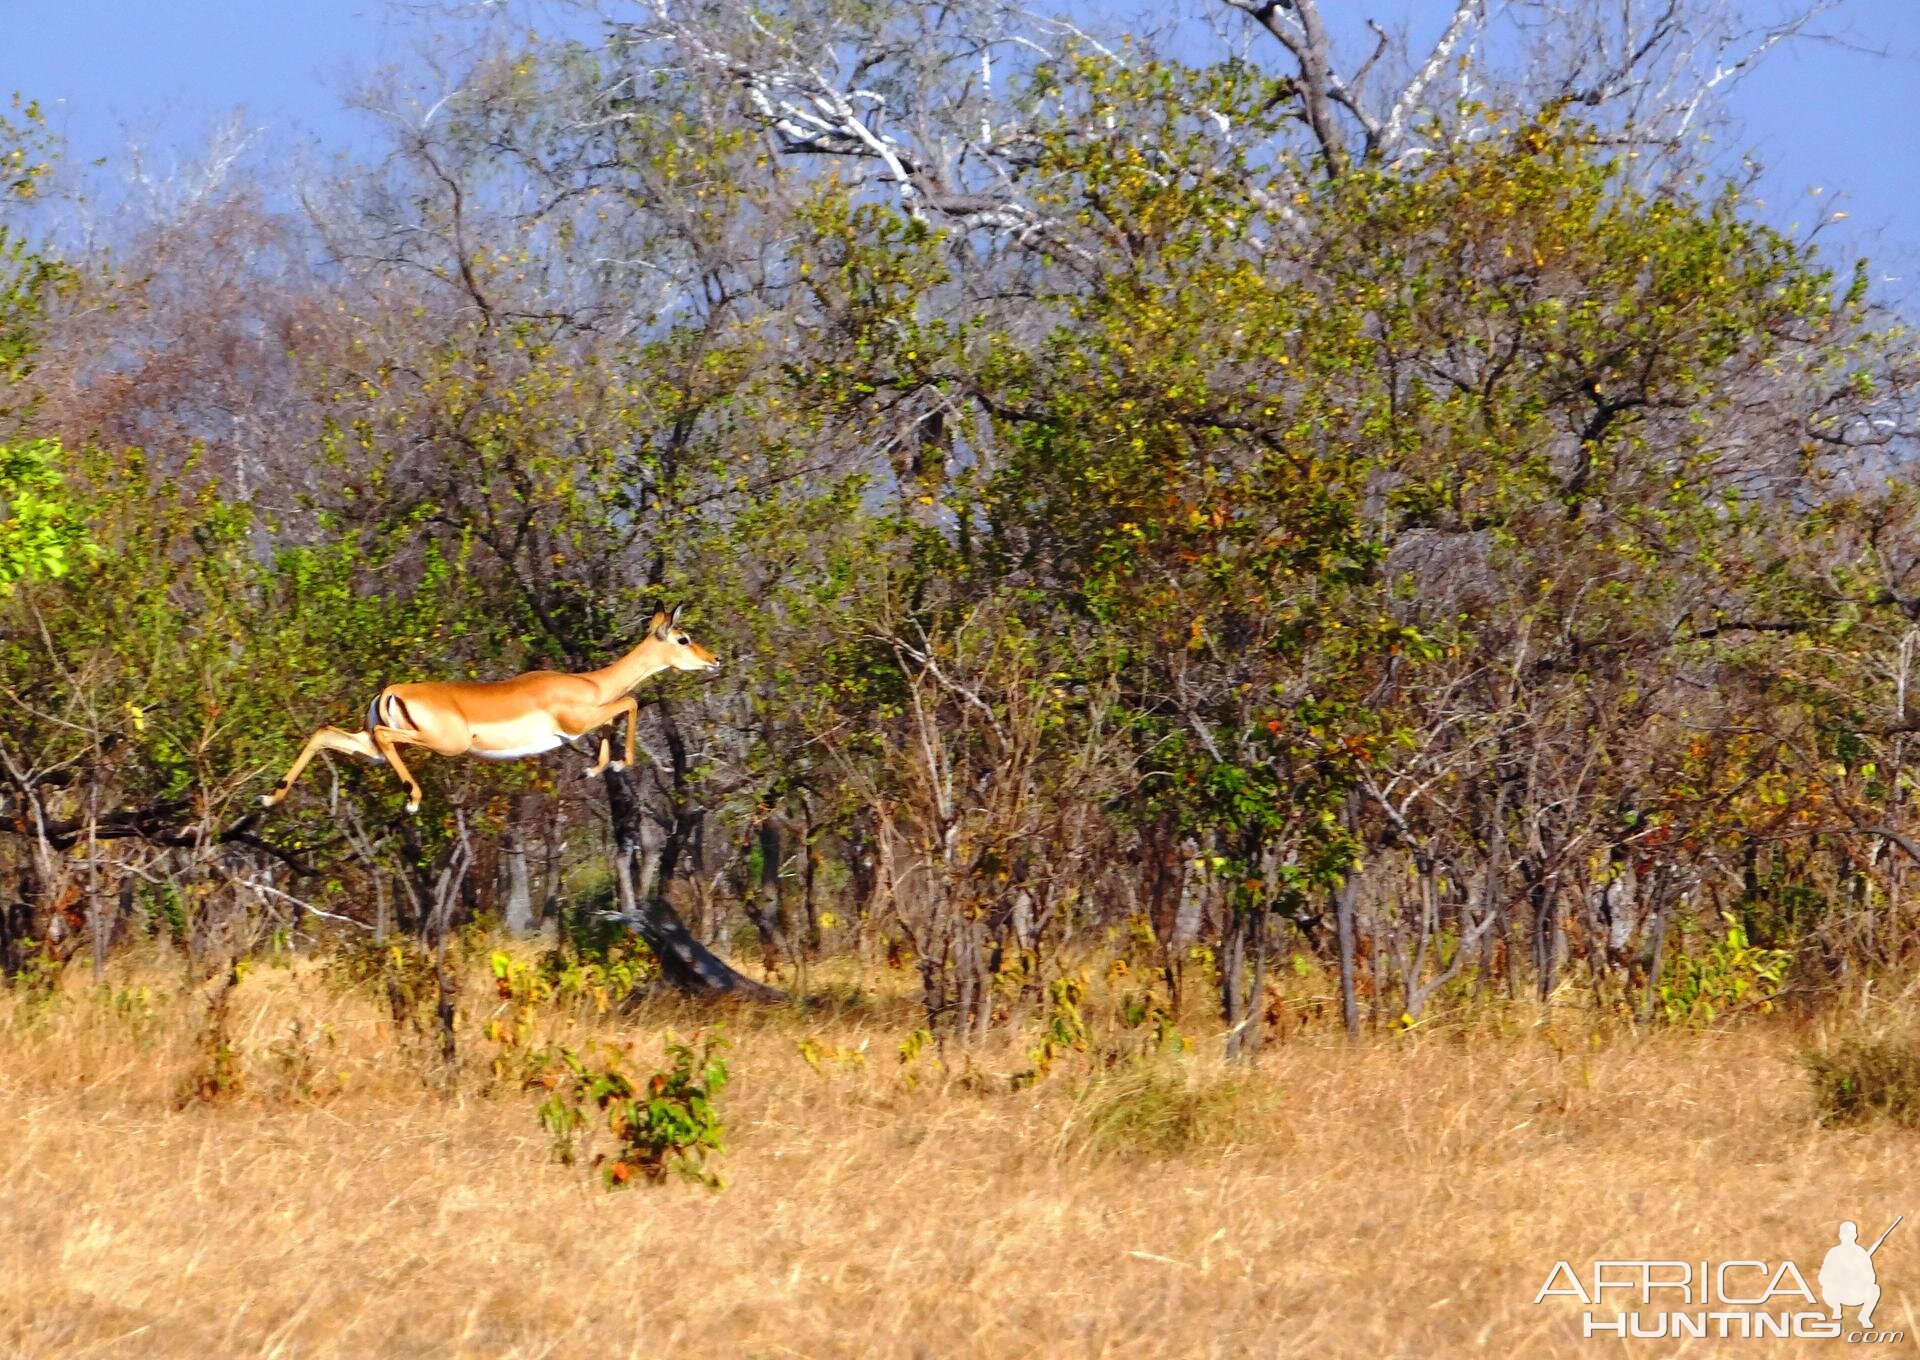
(1065, 1030)
(1735, 974)
(1866, 1078)
(591, 929)
(665, 1124)
(607, 975)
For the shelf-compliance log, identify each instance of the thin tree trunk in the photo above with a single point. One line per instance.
(551, 894)
(809, 902)
(1343, 901)
(96, 924)
(764, 897)
(1657, 962)
(1233, 980)
(685, 963)
(1257, 1002)
(863, 880)
(517, 904)
(14, 914)
(983, 987)
(446, 892)
(1546, 929)
(1188, 918)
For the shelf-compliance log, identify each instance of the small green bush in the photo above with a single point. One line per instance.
(1735, 974)
(1867, 1078)
(592, 931)
(665, 1123)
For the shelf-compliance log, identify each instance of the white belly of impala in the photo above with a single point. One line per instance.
(514, 745)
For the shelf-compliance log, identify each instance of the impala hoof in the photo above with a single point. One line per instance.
(593, 774)
(266, 800)
(618, 765)
(413, 806)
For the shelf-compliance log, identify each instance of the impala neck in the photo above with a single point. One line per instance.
(627, 673)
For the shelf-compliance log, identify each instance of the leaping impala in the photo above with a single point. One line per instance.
(507, 719)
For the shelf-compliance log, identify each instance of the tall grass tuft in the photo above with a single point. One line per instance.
(1157, 1108)
(1865, 1079)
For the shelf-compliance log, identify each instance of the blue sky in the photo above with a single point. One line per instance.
(162, 71)
(1821, 116)
(107, 69)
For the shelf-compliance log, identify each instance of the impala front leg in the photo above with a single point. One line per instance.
(387, 738)
(607, 717)
(631, 707)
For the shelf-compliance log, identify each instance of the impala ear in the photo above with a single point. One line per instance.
(674, 621)
(659, 624)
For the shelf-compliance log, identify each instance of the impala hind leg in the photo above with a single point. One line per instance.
(326, 739)
(606, 758)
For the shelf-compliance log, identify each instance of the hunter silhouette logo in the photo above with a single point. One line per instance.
(1846, 1276)
(1725, 1300)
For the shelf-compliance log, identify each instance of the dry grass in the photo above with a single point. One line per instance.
(1405, 1199)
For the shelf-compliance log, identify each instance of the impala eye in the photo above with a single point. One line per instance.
(683, 640)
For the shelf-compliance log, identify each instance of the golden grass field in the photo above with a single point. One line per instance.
(1403, 1199)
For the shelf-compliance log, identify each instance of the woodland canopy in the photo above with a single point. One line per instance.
(1392, 510)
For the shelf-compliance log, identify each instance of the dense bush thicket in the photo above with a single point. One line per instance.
(1437, 532)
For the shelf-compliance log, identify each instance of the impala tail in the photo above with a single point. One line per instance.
(380, 713)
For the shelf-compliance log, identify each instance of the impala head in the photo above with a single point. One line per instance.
(682, 652)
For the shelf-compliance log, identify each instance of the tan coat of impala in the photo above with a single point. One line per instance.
(507, 719)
